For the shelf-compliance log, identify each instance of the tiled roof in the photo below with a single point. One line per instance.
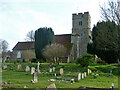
(24, 45)
(64, 39)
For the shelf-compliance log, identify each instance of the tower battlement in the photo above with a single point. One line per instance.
(80, 15)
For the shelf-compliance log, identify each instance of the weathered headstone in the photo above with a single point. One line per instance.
(38, 70)
(27, 68)
(53, 69)
(4, 66)
(50, 70)
(84, 74)
(35, 77)
(96, 57)
(88, 71)
(19, 66)
(61, 71)
(79, 76)
(32, 70)
(52, 86)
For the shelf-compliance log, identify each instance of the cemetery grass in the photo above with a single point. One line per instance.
(18, 78)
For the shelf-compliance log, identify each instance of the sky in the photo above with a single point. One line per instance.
(18, 17)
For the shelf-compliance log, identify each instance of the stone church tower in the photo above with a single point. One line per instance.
(81, 33)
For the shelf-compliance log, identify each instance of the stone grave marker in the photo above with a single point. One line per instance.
(61, 71)
(84, 74)
(34, 77)
(4, 66)
(19, 66)
(88, 71)
(38, 70)
(53, 69)
(27, 68)
(32, 70)
(79, 76)
(52, 86)
(50, 70)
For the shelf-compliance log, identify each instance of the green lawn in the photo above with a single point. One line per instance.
(19, 78)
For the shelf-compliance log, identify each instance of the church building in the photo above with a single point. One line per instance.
(76, 42)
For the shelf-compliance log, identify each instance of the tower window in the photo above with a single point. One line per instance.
(81, 34)
(80, 23)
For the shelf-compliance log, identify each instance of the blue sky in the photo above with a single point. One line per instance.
(17, 17)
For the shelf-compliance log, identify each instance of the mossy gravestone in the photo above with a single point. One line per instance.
(19, 66)
(27, 68)
(61, 71)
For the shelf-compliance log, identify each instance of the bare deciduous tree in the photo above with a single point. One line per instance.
(53, 51)
(30, 36)
(3, 47)
(110, 12)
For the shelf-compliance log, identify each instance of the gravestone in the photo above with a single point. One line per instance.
(53, 69)
(32, 70)
(27, 68)
(4, 66)
(35, 76)
(50, 70)
(84, 74)
(52, 86)
(88, 71)
(61, 71)
(38, 70)
(19, 66)
(96, 57)
(79, 76)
